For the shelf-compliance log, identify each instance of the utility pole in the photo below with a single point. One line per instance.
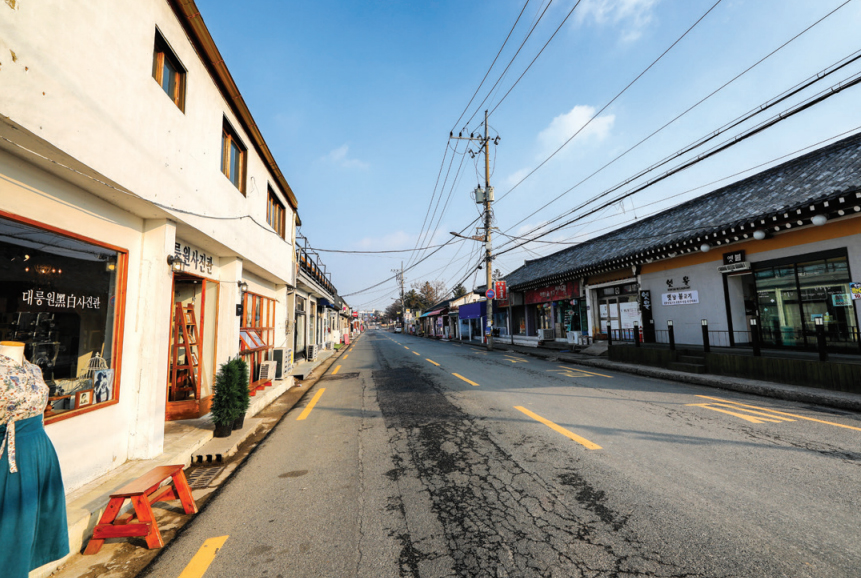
(485, 196)
(399, 274)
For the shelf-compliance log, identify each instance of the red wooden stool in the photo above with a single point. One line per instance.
(143, 492)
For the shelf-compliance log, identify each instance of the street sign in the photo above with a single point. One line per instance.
(489, 294)
(487, 330)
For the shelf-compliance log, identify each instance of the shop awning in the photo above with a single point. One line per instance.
(433, 313)
(321, 302)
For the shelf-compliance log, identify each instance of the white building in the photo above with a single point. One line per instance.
(124, 143)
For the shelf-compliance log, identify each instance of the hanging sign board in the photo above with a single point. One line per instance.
(855, 289)
(502, 290)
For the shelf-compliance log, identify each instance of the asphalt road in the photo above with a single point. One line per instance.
(422, 458)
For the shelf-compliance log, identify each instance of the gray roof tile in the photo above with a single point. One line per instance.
(822, 174)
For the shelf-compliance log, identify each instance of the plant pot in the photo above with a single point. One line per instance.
(238, 422)
(224, 430)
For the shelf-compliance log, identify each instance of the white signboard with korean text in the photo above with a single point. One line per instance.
(680, 298)
(629, 314)
(196, 262)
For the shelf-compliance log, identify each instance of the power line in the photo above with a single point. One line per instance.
(491, 66)
(510, 62)
(726, 127)
(425, 258)
(698, 103)
(373, 252)
(433, 195)
(564, 20)
(603, 108)
(792, 111)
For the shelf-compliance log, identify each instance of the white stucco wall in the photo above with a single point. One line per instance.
(79, 92)
(705, 278)
(94, 443)
(82, 81)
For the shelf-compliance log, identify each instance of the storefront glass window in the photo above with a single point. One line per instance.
(257, 333)
(791, 297)
(59, 296)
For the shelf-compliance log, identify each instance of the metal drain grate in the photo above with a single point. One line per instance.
(201, 478)
(340, 376)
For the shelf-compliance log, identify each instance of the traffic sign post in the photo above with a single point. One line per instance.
(490, 294)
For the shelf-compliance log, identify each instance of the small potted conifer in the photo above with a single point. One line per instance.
(243, 396)
(225, 405)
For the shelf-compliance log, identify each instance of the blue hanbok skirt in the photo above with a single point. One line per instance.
(33, 528)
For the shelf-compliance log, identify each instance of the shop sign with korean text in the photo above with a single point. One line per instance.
(38, 297)
(680, 298)
(502, 290)
(196, 262)
(560, 292)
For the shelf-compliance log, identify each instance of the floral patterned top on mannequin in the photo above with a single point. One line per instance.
(23, 394)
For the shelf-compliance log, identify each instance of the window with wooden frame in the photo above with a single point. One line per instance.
(64, 299)
(256, 334)
(275, 214)
(233, 157)
(168, 72)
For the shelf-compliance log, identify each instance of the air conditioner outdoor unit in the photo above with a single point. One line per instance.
(546, 335)
(267, 371)
(283, 357)
(311, 352)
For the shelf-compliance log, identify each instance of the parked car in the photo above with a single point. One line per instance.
(399, 329)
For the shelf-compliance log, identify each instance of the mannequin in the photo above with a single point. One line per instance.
(33, 527)
(14, 350)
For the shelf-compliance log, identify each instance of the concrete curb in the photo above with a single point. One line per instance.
(834, 399)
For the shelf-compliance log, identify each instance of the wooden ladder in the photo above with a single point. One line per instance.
(184, 377)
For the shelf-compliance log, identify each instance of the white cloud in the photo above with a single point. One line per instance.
(514, 178)
(339, 158)
(632, 16)
(565, 125)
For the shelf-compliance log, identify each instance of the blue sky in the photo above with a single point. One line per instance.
(356, 100)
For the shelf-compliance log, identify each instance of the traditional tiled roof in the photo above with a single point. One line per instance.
(824, 181)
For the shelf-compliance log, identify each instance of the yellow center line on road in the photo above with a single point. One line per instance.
(432, 361)
(199, 564)
(405, 347)
(745, 417)
(457, 375)
(558, 428)
(336, 369)
(416, 352)
(741, 405)
(346, 355)
(584, 371)
(311, 405)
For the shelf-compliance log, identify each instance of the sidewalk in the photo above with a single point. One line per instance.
(835, 399)
(188, 442)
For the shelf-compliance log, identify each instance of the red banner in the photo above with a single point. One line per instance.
(502, 290)
(559, 292)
